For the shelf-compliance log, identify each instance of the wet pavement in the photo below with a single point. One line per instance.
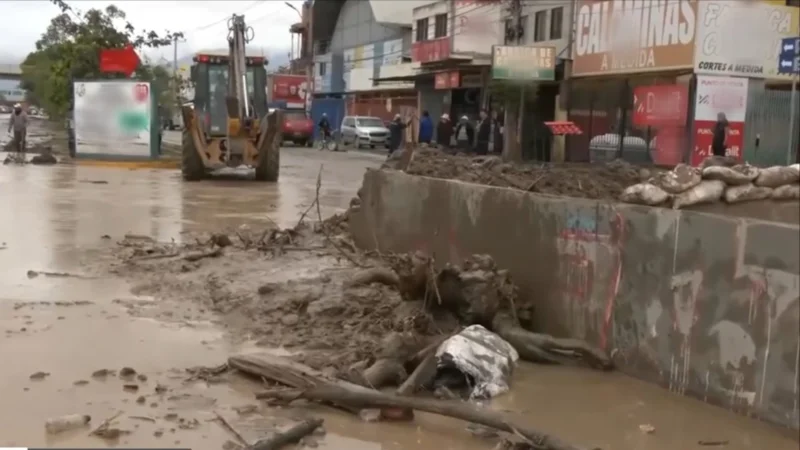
(70, 327)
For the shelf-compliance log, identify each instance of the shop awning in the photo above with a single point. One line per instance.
(395, 79)
(563, 128)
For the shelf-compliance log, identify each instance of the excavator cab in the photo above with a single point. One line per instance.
(228, 124)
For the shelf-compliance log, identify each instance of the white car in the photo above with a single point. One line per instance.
(364, 131)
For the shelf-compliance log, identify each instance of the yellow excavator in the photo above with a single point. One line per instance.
(227, 124)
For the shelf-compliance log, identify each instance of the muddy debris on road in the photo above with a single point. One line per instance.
(367, 320)
(594, 181)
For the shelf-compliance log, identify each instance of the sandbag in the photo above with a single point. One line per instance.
(786, 192)
(746, 192)
(679, 179)
(706, 192)
(777, 176)
(483, 356)
(718, 161)
(644, 194)
(733, 176)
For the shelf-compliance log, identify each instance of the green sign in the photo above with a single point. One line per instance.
(523, 63)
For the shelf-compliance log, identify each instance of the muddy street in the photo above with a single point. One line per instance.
(104, 314)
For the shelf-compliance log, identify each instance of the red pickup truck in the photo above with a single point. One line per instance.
(297, 128)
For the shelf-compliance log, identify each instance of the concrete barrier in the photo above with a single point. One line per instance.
(703, 304)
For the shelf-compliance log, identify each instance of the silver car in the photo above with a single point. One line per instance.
(363, 130)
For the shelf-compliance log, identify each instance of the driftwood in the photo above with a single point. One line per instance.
(479, 293)
(464, 411)
(374, 275)
(289, 436)
(293, 374)
(192, 257)
(421, 376)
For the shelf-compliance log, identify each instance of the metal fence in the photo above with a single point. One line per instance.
(767, 128)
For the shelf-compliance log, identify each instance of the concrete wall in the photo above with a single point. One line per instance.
(705, 305)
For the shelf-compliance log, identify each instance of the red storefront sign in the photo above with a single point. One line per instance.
(446, 80)
(434, 50)
(660, 105)
(663, 108)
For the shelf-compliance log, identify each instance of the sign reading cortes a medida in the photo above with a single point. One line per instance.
(616, 36)
(723, 47)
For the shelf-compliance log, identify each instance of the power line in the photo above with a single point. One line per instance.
(224, 19)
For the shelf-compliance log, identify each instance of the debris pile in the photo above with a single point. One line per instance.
(594, 181)
(718, 179)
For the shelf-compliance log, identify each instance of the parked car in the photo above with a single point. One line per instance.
(363, 130)
(298, 128)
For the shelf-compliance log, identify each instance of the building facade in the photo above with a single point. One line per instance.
(649, 78)
(368, 41)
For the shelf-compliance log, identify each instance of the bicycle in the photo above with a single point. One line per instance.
(328, 142)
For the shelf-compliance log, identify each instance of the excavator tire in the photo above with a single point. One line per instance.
(192, 167)
(269, 155)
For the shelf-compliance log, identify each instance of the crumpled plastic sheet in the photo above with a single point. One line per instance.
(482, 355)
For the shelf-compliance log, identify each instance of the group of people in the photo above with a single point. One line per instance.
(482, 138)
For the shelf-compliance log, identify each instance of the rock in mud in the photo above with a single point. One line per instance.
(81, 382)
(45, 159)
(127, 372)
(290, 320)
(39, 376)
(130, 387)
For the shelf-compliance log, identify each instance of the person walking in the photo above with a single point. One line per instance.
(720, 135)
(444, 131)
(497, 134)
(484, 134)
(425, 128)
(396, 129)
(19, 124)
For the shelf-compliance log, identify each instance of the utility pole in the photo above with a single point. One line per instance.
(176, 76)
(513, 120)
(311, 66)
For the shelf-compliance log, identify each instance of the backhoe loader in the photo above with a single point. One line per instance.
(227, 124)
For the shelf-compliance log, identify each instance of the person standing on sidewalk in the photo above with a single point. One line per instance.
(19, 124)
(721, 130)
(484, 134)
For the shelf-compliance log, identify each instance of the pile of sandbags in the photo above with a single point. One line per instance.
(717, 179)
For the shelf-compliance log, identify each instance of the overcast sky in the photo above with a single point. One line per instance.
(25, 21)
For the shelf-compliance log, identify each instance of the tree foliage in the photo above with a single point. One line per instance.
(69, 50)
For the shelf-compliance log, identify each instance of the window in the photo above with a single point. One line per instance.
(323, 69)
(795, 3)
(440, 30)
(515, 34)
(369, 122)
(349, 122)
(422, 30)
(556, 23)
(540, 27)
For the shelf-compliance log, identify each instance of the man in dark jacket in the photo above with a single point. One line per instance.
(444, 131)
(396, 129)
(497, 133)
(484, 134)
(718, 144)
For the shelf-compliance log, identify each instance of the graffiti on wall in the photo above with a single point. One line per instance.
(590, 267)
(722, 324)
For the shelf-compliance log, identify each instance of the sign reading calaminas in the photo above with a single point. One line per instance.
(616, 36)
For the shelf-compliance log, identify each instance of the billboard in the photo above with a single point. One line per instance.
(716, 95)
(113, 118)
(721, 48)
(289, 89)
(616, 36)
(523, 63)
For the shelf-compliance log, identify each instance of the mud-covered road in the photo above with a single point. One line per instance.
(59, 331)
